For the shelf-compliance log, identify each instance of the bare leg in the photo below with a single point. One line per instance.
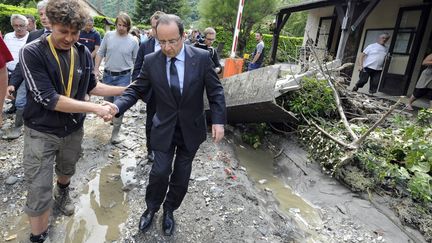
(410, 102)
(39, 224)
(64, 180)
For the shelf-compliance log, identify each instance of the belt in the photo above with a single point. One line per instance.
(117, 73)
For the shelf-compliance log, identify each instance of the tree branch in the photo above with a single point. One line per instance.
(348, 146)
(358, 142)
(336, 96)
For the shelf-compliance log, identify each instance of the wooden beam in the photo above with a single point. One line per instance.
(345, 33)
(340, 12)
(281, 20)
(372, 4)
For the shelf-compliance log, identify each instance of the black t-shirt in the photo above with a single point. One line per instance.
(213, 54)
(64, 57)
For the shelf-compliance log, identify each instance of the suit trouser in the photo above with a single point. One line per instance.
(161, 179)
(151, 111)
(374, 76)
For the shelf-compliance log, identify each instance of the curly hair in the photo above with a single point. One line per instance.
(67, 12)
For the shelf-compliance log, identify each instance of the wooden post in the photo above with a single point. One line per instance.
(345, 29)
(281, 20)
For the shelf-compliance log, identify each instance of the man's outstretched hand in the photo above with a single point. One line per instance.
(217, 132)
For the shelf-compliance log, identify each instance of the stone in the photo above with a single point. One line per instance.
(11, 180)
(202, 178)
(262, 181)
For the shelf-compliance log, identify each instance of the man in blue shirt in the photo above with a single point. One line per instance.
(90, 37)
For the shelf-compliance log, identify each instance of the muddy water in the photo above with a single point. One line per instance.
(102, 208)
(259, 166)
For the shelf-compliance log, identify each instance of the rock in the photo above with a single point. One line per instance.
(11, 237)
(294, 210)
(11, 180)
(2, 158)
(202, 178)
(267, 190)
(263, 230)
(129, 186)
(262, 181)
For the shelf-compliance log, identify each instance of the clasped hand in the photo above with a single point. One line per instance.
(106, 111)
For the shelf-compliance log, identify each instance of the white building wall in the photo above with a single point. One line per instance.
(384, 16)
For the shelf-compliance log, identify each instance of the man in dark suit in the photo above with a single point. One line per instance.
(177, 76)
(150, 46)
(16, 87)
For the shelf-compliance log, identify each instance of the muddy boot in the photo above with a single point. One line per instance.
(15, 132)
(63, 201)
(115, 139)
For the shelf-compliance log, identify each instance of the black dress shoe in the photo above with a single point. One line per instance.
(146, 220)
(168, 223)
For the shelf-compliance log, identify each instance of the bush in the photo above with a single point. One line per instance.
(7, 10)
(287, 47)
(101, 31)
(99, 22)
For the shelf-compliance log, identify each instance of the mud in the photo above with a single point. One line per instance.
(228, 201)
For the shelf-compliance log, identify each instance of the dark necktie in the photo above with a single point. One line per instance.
(174, 80)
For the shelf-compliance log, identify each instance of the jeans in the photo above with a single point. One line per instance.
(253, 66)
(121, 80)
(21, 99)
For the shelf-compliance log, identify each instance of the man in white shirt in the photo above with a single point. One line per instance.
(371, 63)
(16, 39)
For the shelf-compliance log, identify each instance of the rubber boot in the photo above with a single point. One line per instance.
(115, 139)
(63, 201)
(15, 132)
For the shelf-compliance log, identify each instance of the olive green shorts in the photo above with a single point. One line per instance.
(42, 152)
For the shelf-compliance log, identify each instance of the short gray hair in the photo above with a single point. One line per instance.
(20, 17)
(42, 4)
(209, 30)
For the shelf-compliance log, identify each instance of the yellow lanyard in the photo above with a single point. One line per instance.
(71, 69)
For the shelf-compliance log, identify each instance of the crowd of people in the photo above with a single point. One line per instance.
(54, 70)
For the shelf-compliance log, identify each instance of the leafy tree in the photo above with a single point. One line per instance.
(224, 13)
(144, 9)
(296, 22)
(16, 2)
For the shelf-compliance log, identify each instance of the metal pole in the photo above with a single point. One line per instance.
(237, 29)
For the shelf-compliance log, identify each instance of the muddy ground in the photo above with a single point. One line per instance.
(229, 199)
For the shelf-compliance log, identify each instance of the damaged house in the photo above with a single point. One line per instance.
(341, 29)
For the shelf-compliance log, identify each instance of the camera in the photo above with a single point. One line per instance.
(200, 39)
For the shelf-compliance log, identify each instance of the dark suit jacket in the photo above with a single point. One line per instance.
(16, 77)
(189, 114)
(144, 49)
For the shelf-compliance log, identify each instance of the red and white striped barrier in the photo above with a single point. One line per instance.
(237, 28)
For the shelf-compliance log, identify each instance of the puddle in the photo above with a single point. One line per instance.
(259, 166)
(102, 208)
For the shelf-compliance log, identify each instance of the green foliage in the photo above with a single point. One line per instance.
(111, 8)
(101, 31)
(287, 48)
(402, 155)
(424, 116)
(224, 13)
(99, 21)
(144, 9)
(420, 186)
(315, 98)
(7, 10)
(254, 134)
(16, 2)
